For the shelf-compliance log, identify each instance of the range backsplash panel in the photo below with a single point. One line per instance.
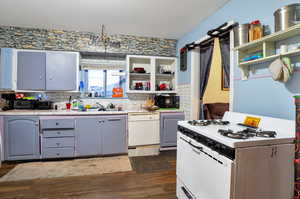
(43, 39)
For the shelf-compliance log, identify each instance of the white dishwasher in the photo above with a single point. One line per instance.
(143, 129)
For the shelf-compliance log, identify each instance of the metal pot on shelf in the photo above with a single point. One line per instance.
(287, 17)
(241, 34)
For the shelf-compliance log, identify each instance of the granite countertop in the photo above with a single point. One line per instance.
(71, 112)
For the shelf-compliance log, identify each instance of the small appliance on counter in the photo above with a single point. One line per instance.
(44, 105)
(24, 104)
(9, 98)
(167, 101)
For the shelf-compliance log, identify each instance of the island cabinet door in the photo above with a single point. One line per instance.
(31, 70)
(114, 135)
(61, 71)
(265, 172)
(168, 128)
(21, 138)
(88, 136)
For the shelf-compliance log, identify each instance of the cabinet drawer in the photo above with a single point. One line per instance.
(59, 142)
(58, 133)
(58, 124)
(58, 152)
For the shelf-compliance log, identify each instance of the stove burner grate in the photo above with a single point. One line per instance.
(247, 133)
(207, 122)
(229, 133)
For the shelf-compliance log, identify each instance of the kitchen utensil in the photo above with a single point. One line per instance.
(162, 87)
(241, 34)
(280, 70)
(139, 70)
(287, 16)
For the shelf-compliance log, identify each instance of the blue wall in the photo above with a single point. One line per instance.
(260, 94)
(184, 77)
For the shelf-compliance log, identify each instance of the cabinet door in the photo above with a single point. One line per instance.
(265, 172)
(168, 131)
(21, 138)
(114, 135)
(6, 69)
(88, 136)
(61, 71)
(31, 68)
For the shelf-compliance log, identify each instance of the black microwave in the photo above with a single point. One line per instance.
(164, 101)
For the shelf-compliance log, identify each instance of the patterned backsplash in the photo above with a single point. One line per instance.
(43, 39)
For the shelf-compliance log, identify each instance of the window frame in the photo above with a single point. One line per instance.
(105, 72)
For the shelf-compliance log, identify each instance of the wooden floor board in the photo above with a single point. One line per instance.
(152, 178)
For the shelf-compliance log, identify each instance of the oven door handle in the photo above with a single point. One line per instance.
(197, 147)
(186, 193)
(194, 146)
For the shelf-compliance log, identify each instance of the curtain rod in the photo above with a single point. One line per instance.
(212, 34)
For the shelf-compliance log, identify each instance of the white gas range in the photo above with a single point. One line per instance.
(249, 164)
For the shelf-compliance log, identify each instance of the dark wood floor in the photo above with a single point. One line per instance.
(153, 177)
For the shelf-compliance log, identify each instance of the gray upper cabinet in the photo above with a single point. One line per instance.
(45, 70)
(114, 135)
(21, 135)
(88, 136)
(31, 70)
(61, 71)
(168, 128)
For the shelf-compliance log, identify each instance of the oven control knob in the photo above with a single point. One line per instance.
(217, 147)
(223, 148)
(210, 143)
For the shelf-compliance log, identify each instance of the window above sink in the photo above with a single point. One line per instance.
(103, 77)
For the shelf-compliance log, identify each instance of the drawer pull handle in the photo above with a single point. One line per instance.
(111, 120)
(58, 133)
(57, 154)
(56, 123)
(57, 144)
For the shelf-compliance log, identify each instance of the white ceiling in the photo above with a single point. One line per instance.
(154, 18)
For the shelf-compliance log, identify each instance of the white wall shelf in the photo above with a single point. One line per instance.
(266, 46)
(277, 36)
(269, 58)
(154, 67)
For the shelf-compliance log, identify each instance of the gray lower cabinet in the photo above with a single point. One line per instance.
(31, 70)
(168, 128)
(114, 135)
(88, 136)
(101, 135)
(61, 71)
(21, 135)
(58, 137)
